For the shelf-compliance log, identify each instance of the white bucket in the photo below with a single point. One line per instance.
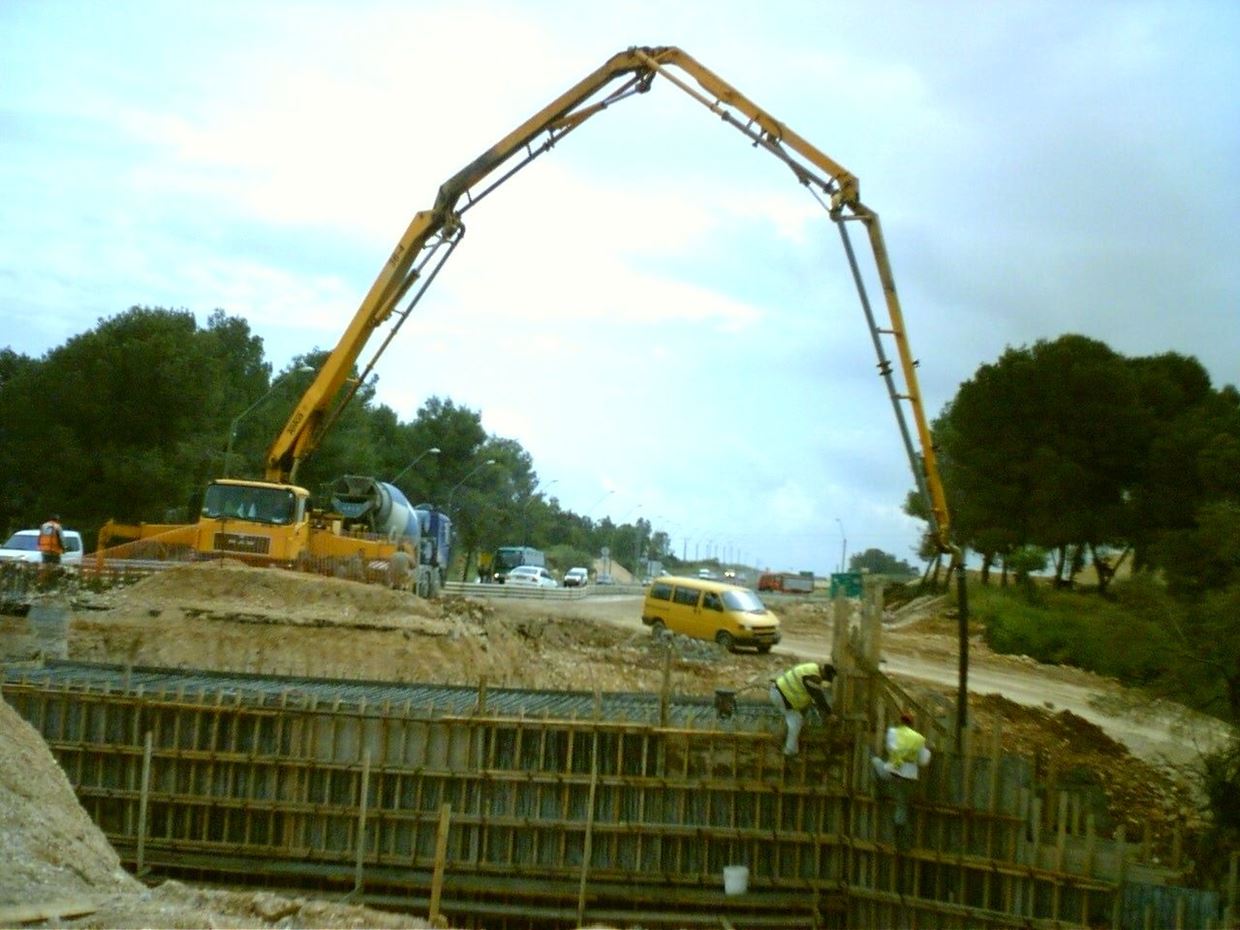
(735, 879)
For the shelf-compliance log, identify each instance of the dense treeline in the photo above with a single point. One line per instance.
(132, 419)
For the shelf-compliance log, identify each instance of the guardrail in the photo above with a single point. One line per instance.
(528, 592)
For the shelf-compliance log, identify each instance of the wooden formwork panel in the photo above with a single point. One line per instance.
(577, 809)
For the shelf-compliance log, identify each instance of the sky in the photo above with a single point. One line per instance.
(656, 310)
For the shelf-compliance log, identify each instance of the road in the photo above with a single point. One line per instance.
(1159, 732)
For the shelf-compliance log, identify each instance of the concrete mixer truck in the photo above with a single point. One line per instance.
(382, 510)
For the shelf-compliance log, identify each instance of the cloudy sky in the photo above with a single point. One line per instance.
(655, 310)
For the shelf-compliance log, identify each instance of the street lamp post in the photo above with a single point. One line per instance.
(433, 450)
(599, 501)
(452, 493)
(843, 545)
(232, 427)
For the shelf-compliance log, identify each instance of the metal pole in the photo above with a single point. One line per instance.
(232, 427)
(421, 455)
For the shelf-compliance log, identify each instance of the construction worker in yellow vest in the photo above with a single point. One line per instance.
(794, 691)
(907, 755)
(906, 752)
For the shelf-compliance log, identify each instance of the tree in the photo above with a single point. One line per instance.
(1038, 448)
(877, 562)
(135, 411)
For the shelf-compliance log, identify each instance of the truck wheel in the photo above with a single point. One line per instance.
(424, 585)
(658, 629)
(434, 584)
(763, 650)
(724, 639)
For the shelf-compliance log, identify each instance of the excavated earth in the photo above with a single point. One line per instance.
(229, 617)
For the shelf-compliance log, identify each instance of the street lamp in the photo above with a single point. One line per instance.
(591, 508)
(232, 428)
(463, 480)
(433, 450)
(843, 545)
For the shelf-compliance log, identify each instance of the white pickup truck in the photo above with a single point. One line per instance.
(23, 546)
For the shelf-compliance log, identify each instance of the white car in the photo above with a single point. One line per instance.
(23, 546)
(531, 575)
(576, 578)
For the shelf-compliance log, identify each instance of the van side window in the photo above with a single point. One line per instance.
(711, 601)
(661, 591)
(686, 596)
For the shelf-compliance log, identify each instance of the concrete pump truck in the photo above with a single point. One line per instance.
(271, 520)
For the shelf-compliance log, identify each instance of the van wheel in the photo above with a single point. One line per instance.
(658, 629)
(763, 650)
(724, 639)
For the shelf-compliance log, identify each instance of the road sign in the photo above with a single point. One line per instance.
(846, 583)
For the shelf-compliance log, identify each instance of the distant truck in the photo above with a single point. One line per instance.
(507, 558)
(787, 582)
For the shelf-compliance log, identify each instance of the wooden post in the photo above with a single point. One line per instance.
(1230, 913)
(362, 801)
(1121, 853)
(666, 687)
(143, 799)
(441, 851)
(588, 845)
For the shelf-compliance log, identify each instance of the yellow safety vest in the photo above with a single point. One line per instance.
(791, 684)
(908, 746)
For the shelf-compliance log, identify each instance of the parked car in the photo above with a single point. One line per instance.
(531, 575)
(604, 578)
(576, 578)
(23, 546)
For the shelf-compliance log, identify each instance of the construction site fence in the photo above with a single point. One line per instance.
(518, 808)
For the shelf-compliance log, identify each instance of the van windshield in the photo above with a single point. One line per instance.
(744, 601)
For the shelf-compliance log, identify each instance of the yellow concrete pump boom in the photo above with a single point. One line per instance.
(433, 234)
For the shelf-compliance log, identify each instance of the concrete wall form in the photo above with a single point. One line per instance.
(508, 808)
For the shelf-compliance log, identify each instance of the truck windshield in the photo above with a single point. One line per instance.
(507, 557)
(243, 502)
(744, 601)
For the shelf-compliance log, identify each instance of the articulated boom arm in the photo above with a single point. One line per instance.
(434, 233)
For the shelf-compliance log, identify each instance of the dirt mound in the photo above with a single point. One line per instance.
(174, 905)
(50, 847)
(1138, 796)
(216, 585)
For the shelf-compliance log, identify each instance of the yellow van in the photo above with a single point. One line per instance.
(729, 614)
